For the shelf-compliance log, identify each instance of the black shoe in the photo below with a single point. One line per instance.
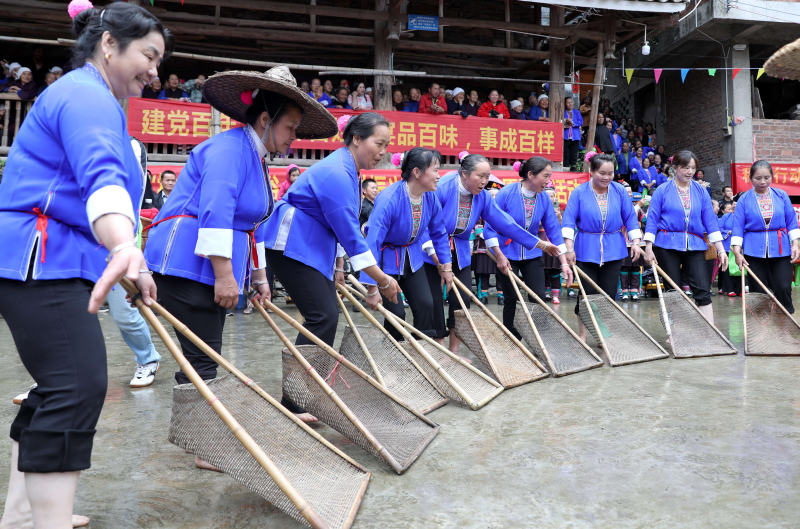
(501, 300)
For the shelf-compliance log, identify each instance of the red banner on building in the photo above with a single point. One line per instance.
(786, 177)
(161, 121)
(564, 183)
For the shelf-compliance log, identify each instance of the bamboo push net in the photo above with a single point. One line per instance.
(455, 378)
(769, 329)
(236, 426)
(485, 336)
(690, 334)
(622, 340)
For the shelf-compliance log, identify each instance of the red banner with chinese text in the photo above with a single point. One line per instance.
(159, 121)
(786, 176)
(564, 183)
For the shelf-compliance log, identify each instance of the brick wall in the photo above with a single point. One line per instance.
(777, 140)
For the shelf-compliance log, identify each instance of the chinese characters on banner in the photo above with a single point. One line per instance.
(786, 177)
(564, 183)
(157, 121)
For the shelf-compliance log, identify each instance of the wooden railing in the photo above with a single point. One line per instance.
(14, 111)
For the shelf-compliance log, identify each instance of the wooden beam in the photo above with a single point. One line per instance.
(556, 68)
(288, 7)
(441, 15)
(599, 72)
(499, 25)
(468, 49)
(382, 87)
(326, 39)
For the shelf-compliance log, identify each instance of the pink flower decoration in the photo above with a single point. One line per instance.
(516, 166)
(247, 97)
(589, 155)
(76, 6)
(462, 155)
(397, 159)
(342, 122)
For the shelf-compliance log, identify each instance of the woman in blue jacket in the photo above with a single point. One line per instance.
(405, 215)
(69, 208)
(592, 226)
(464, 200)
(727, 284)
(679, 219)
(530, 208)
(207, 243)
(321, 208)
(765, 234)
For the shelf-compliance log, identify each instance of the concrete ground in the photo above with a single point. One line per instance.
(697, 443)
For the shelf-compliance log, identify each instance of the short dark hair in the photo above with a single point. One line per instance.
(535, 165)
(470, 162)
(363, 126)
(168, 171)
(126, 22)
(682, 158)
(418, 158)
(761, 164)
(366, 182)
(597, 161)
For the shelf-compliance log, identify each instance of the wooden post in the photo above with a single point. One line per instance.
(382, 88)
(599, 73)
(441, 15)
(556, 69)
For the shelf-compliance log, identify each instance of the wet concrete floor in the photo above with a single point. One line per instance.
(692, 443)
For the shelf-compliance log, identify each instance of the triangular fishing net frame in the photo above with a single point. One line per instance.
(550, 337)
(247, 434)
(377, 353)
(455, 377)
(769, 329)
(622, 340)
(360, 408)
(689, 334)
(495, 346)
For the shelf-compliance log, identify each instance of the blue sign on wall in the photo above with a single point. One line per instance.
(423, 23)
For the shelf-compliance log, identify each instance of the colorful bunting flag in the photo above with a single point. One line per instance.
(712, 71)
(657, 73)
(736, 72)
(684, 73)
(628, 74)
(760, 73)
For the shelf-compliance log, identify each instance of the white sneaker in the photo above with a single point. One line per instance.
(145, 375)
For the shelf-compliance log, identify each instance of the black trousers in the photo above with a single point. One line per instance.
(571, 149)
(775, 272)
(606, 277)
(532, 271)
(420, 298)
(61, 345)
(193, 303)
(435, 284)
(689, 266)
(727, 283)
(313, 294)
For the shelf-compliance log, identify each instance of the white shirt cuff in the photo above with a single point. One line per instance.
(214, 241)
(714, 236)
(562, 249)
(649, 237)
(340, 250)
(261, 257)
(362, 260)
(737, 241)
(794, 235)
(492, 243)
(635, 234)
(568, 233)
(109, 199)
(428, 248)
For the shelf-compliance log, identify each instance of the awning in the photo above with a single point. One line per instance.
(648, 6)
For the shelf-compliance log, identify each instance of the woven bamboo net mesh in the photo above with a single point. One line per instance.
(399, 375)
(566, 353)
(691, 334)
(769, 330)
(331, 485)
(397, 435)
(507, 362)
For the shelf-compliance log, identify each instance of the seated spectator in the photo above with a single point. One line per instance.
(658, 162)
(493, 108)
(448, 95)
(360, 99)
(397, 100)
(340, 101)
(304, 87)
(24, 86)
(344, 83)
(152, 90)
(328, 87)
(195, 88)
(57, 71)
(433, 102)
(472, 105)
(49, 78)
(318, 93)
(541, 112)
(458, 106)
(173, 89)
(516, 110)
(412, 105)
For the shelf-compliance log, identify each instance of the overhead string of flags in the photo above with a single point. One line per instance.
(685, 71)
